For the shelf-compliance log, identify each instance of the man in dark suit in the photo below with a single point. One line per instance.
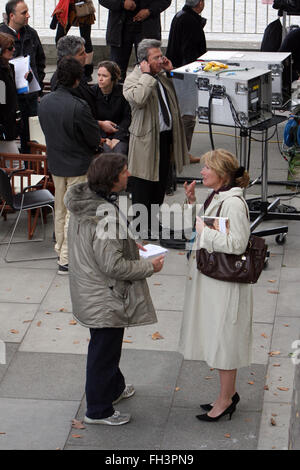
(186, 43)
(130, 21)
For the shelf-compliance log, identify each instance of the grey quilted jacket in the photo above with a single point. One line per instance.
(107, 279)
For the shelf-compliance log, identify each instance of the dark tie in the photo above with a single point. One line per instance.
(162, 103)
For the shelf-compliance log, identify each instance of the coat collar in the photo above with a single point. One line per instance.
(221, 197)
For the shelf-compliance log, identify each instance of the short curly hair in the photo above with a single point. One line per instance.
(68, 71)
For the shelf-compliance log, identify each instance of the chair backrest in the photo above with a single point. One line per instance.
(5, 188)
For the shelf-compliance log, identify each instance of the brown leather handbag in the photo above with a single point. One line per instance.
(245, 268)
(84, 8)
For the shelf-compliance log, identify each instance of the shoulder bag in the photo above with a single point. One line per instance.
(84, 8)
(245, 268)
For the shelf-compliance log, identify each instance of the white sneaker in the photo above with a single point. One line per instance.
(115, 420)
(127, 393)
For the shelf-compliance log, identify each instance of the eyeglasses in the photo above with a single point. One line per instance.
(11, 48)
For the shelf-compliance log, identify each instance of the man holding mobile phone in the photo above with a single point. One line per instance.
(156, 131)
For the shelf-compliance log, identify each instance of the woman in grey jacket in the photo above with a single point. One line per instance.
(107, 282)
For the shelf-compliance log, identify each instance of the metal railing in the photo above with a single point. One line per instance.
(229, 17)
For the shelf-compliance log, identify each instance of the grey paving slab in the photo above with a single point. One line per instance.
(274, 436)
(197, 384)
(153, 372)
(145, 430)
(286, 331)
(15, 319)
(56, 332)
(10, 349)
(262, 337)
(58, 295)
(35, 424)
(24, 285)
(264, 304)
(167, 291)
(44, 376)
(168, 327)
(185, 432)
(294, 431)
(279, 380)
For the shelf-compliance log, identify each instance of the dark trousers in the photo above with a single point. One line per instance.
(85, 33)
(104, 380)
(28, 105)
(131, 37)
(153, 192)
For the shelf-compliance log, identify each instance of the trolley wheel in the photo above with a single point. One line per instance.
(280, 239)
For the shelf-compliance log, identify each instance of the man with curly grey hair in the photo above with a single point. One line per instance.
(74, 46)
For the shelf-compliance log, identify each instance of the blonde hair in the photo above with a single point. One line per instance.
(226, 165)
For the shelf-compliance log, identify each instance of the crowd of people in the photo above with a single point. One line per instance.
(128, 126)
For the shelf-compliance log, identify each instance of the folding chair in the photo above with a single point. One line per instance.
(24, 201)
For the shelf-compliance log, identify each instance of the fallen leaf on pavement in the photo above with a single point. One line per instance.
(273, 291)
(227, 435)
(264, 335)
(15, 332)
(76, 436)
(157, 284)
(273, 422)
(27, 321)
(39, 323)
(276, 365)
(127, 341)
(274, 353)
(266, 387)
(77, 424)
(271, 280)
(251, 382)
(72, 322)
(177, 389)
(157, 335)
(283, 389)
(208, 377)
(62, 309)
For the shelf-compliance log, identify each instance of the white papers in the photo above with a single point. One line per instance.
(22, 67)
(152, 250)
(34, 84)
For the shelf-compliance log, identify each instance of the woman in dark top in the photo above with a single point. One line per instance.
(112, 110)
(8, 93)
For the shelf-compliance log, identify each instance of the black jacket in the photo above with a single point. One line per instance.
(186, 38)
(272, 37)
(8, 128)
(83, 91)
(29, 44)
(150, 28)
(114, 108)
(291, 44)
(72, 134)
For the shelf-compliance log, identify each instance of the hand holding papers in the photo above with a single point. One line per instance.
(152, 250)
(22, 67)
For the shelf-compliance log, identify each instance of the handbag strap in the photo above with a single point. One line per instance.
(246, 207)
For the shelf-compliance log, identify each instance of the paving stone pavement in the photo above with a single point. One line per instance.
(42, 379)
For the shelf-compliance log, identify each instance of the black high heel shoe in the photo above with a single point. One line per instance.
(229, 411)
(235, 399)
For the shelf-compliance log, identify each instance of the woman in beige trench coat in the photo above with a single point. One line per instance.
(217, 323)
